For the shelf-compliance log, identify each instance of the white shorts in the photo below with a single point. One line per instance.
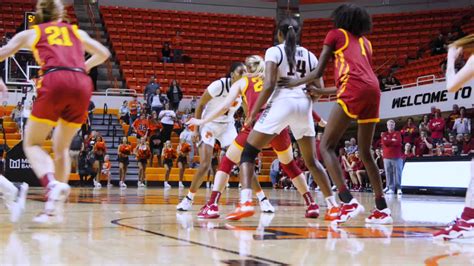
(224, 132)
(293, 112)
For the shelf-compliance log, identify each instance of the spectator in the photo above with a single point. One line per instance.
(133, 106)
(193, 104)
(468, 145)
(142, 151)
(438, 46)
(124, 113)
(275, 172)
(154, 124)
(74, 150)
(100, 150)
(409, 132)
(150, 90)
(145, 109)
(166, 53)
(424, 124)
(169, 154)
(16, 114)
(156, 146)
(106, 170)
(392, 152)
(360, 171)
(344, 161)
(459, 143)
(25, 114)
(408, 152)
(167, 117)
(437, 126)
(175, 94)
(452, 116)
(183, 157)
(85, 165)
(188, 136)
(216, 152)
(432, 112)
(177, 44)
(423, 144)
(462, 125)
(157, 102)
(352, 147)
(392, 82)
(124, 150)
(352, 159)
(141, 126)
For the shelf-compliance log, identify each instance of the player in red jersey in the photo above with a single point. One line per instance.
(249, 87)
(462, 227)
(64, 92)
(358, 98)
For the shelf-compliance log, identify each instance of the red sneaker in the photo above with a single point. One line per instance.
(242, 211)
(380, 217)
(349, 211)
(332, 214)
(312, 211)
(458, 229)
(209, 212)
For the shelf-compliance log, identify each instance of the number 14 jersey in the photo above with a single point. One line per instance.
(305, 61)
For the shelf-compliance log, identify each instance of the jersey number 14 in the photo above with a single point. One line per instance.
(300, 68)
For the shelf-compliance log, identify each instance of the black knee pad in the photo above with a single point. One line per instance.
(249, 154)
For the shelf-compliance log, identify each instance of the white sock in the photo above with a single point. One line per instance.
(6, 187)
(331, 202)
(245, 195)
(191, 195)
(260, 195)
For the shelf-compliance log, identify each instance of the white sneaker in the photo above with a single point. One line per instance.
(385, 190)
(53, 212)
(389, 192)
(399, 192)
(266, 206)
(97, 184)
(208, 185)
(180, 185)
(140, 184)
(15, 201)
(227, 185)
(185, 205)
(167, 186)
(122, 185)
(334, 188)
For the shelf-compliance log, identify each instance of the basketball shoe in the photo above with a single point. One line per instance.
(349, 211)
(15, 201)
(332, 214)
(209, 211)
(380, 217)
(266, 206)
(242, 211)
(185, 205)
(312, 211)
(459, 228)
(57, 195)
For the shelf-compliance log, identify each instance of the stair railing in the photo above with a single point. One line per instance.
(106, 110)
(109, 124)
(114, 134)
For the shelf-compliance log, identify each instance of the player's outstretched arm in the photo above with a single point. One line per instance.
(18, 42)
(228, 101)
(99, 52)
(454, 81)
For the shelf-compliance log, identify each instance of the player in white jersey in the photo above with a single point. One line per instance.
(287, 107)
(222, 128)
(462, 227)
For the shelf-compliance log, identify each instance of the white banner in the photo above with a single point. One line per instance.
(416, 100)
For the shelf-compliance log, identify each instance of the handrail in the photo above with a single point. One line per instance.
(106, 110)
(425, 78)
(114, 134)
(108, 125)
(120, 92)
(385, 63)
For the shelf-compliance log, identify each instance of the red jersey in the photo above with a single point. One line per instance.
(353, 60)
(58, 44)
(143, 152)
(125, 149)
(184, 148)
(436, 126)
(251, 91)
(392, 145)
(169, 153)
(100, 147)
(141, 126)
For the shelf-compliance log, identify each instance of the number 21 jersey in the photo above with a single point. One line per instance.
(305, 62)
(58, 44)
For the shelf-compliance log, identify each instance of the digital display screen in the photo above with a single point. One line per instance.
(29, 19)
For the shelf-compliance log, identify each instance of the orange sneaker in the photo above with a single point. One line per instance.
(242, 211)
(332, 214)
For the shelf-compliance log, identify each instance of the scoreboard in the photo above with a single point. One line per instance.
(29, 19)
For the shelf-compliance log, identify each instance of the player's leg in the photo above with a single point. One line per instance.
(140, 172)
(181, 172)
(144, 164)
(365, 134)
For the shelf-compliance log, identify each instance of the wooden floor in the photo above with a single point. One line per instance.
(142, 227)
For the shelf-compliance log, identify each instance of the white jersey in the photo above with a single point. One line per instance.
(305, 60)
(219, 90)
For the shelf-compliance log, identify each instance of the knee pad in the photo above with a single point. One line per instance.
(249, 154)
(291, 169)
(226, 165)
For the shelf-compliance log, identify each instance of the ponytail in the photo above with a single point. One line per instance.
(290, 46)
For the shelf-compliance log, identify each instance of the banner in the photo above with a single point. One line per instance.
(416, 100)
(17, 167)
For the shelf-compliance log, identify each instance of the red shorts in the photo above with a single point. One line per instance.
(279, 143)
(62, 95)
(360, 104)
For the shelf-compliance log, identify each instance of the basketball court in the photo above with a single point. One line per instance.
(143, 227)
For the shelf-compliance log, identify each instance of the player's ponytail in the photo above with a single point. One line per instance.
(466, 43)
(289, 28)
(49, 10)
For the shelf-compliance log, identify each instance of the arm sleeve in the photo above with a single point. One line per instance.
(215, 88)
(273, 54)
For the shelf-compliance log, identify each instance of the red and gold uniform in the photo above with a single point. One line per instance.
(169, 155)
(358, 87)
(143, 153)
(124, 151)
(141, 126)
(64, 89)
(184, 150)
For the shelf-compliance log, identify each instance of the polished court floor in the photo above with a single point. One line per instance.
(113, 227)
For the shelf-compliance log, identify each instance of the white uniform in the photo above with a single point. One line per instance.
(221, 128)
(289, 107)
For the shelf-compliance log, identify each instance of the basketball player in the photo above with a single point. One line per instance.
(64, 92)
(358, 98)
(462, 227)
(249, 87)
(287, 107)
(221, 128)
